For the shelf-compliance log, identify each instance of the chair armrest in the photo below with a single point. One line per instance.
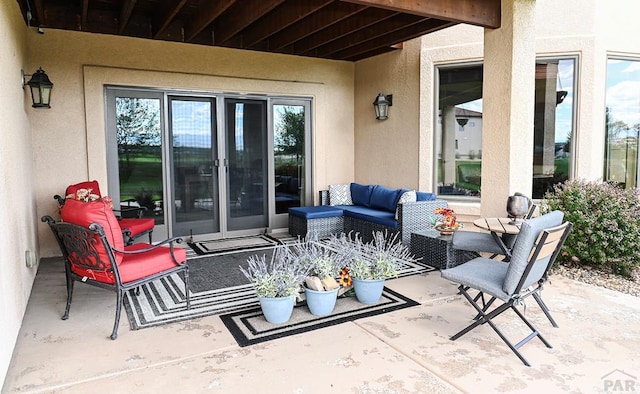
(59, 199)
(169, 241)
(417, 216)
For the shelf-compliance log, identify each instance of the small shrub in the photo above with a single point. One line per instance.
(606, 224)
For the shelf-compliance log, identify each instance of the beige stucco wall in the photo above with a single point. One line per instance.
(18, 216)
(69, 139)
(387, 151)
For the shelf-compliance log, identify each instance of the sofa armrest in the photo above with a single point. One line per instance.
(417, 216)
(324, 197)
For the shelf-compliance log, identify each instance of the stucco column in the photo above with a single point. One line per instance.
(508, 104)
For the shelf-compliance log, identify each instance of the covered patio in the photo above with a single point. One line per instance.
(595, 348)
(338, 55)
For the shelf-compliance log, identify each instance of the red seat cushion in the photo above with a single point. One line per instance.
(83, 214)
(93, 185)
(136, 266)
(137, 226)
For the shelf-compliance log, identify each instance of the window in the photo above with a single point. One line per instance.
(622, 122)
(459, 127)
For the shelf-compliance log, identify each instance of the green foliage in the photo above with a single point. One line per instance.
(319, 261)
(379, 259)
(281, 277)
(606, 224)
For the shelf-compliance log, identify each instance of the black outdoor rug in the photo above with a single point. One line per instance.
(233, 244)
(216, 286)
(249, 326)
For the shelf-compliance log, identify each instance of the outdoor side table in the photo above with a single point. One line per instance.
(437, 250)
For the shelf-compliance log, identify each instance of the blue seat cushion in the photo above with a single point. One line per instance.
(361, 194)
(384, 198)
(424, 196)
(321, 211)
(384, 218)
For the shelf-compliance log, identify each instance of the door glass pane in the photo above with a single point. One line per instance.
(138, 139)
(622, 122)
(194, 173)
(459, 131)
(289, 156)
(247, 164)
(553, 123)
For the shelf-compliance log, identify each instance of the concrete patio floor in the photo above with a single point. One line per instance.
(408, 351)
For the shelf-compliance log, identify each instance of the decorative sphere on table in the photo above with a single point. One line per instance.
(517, 206)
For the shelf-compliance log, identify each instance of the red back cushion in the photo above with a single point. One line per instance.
(93, 185)
(85, 213)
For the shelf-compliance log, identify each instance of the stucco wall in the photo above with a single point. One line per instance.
(69, 146)
(387, 151)
(18, 217)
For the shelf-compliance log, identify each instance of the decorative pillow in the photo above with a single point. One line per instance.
(384, 198)
(340, 195)
(424, 196)
(408, 196)
(361, 194)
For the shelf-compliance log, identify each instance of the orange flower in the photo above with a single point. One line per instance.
(345, 278)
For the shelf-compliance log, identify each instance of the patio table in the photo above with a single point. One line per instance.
(498, 227)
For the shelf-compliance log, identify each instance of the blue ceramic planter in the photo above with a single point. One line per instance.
(321, 303)
(277, 310)
(368, 291)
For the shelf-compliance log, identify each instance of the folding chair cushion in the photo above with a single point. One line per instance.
(475, 242)
(529, 232)
(137, 226)
(486, 275)
(83, 214)
(136, 266)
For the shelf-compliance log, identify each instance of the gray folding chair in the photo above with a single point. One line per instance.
(534, 252)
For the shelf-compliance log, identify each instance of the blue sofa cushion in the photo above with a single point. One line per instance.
(384, 198)
(361, 194)
(318, 212)
(371, 215)
(424, 196)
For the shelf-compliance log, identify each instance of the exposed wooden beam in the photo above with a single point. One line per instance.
(83, 18)
(248, 12)
(375, 34)
(205, 16)
(125, 14)
(322, 19)
(38, 12)
(168, 13)
(485, 13)
(288, 14)
(362, 49)
(364, 19)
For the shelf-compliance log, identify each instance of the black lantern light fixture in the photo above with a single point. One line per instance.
(382, 104)
(40, 87)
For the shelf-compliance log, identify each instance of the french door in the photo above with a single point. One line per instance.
(208, 167)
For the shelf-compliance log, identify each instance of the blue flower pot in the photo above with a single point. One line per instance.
(321, 303)
(368, 291)
(277, 310)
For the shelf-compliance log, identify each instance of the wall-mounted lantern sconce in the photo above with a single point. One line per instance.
(382, 104)
(462, 122)
(40, 87)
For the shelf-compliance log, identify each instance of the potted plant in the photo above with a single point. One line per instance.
(320, 286)
(277, 283)
(370, 264)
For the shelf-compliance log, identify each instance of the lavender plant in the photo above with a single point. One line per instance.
(281, 277)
